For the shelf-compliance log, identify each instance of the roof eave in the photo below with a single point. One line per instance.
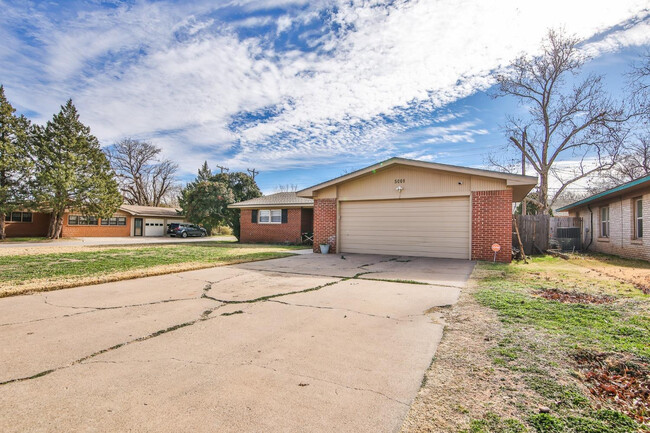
(614, 192)
(269, 206)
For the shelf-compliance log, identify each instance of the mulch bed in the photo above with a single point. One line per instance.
(574, 297)
(619, 379)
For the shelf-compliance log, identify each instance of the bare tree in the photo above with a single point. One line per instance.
(574, 121)
(290, 187)
(144, 178)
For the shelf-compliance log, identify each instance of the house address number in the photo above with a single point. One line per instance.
(400, 180)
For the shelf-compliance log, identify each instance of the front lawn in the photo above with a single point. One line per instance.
(548, 347)
(49, 271)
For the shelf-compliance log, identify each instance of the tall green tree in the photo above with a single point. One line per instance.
(15, 162)
(243, 187)
(72, 173)
(205, 201)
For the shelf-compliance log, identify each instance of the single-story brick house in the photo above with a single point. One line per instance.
(414, 208)
(128, 220)
(277, 218)
(612, 221)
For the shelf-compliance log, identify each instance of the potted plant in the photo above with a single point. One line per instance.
(325, 248)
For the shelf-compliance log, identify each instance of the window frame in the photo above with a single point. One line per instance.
(604, 223)
(83, 220)
(638, 217)
(270, 214)
(9, 218)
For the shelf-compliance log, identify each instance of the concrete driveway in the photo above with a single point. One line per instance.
(305, 343)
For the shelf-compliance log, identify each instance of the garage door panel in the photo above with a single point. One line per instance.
(435, 227)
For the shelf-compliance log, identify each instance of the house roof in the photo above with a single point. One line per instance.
(637, 184)
(152, 211)
(280, 199)
(520, 184)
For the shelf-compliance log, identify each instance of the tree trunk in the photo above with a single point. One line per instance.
(3, 235)
(55, 227)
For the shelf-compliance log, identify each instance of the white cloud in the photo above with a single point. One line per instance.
(178, 73)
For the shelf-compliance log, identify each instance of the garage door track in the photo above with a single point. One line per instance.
(304, 343)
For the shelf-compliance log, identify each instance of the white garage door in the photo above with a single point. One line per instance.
(433, 227)
(154, 227)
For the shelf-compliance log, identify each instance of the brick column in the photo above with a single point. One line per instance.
(325, 223)
(492, 223)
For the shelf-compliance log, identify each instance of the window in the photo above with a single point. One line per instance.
(81, 220)
(270, 216)
(121, 221)
(604, 222)
(638, 218)
(19, 217)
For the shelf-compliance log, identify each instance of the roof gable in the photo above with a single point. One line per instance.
(520, 184)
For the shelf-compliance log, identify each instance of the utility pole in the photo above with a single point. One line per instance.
(223, 168)
(523, 167)
(252, 172)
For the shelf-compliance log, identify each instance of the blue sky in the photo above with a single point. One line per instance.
(300, 90)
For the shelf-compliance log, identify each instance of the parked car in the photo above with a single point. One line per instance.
(183, 230)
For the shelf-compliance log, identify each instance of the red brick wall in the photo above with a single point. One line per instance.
(492, 223)
(325, 223)
(37, 228)
(98, 230)
(271, 233)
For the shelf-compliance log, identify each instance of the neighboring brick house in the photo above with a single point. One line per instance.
(277, 218)
(416, 208)
(612, 221)
(128, 220)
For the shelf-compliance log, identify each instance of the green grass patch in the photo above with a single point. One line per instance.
(588, 326)
(540, 336)
(493, 423)
(24, 268)
(26, 239)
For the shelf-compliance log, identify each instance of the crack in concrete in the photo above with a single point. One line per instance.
(266, 298)
(353, 388)
(323, 307)
(117, 307)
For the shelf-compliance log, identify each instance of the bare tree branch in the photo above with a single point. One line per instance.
(144, 179)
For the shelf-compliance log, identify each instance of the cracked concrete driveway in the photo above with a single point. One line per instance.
(304, 343)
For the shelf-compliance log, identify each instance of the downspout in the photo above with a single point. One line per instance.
(591, 227)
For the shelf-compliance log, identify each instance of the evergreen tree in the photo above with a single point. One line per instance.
(72, 173)
(204, 172)
(15, 162)
(205, 200)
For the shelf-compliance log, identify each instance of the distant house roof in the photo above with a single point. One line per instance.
(280, 199)
(520, 184)
(643, 182)
(152, 211)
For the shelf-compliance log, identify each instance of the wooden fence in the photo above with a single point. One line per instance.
(543, 232)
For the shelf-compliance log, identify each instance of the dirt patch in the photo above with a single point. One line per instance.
(574, 297)
(621, 380)
(462, 383)
(620, 269)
